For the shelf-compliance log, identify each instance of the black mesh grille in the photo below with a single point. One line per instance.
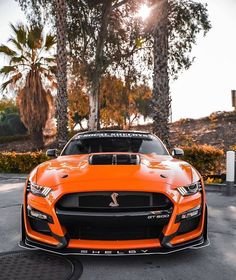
(92, 232)
(39, 226)
(189, 225)
(101, 201)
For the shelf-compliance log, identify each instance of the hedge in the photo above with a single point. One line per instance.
(207, 160)
(11, 162)
(13, 138)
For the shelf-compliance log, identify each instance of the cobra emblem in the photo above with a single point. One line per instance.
(114, 202)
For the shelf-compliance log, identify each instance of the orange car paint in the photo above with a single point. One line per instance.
(83, 177)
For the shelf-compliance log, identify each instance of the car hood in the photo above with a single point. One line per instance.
(76, 173)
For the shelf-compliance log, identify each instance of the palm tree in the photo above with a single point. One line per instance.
(62, 97)
(161, 91)
(30, 69)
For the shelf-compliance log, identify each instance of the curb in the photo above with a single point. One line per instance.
(12, 176)
(216, 187)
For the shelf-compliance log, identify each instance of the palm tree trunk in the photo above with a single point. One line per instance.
(62, 98)
(161, 104)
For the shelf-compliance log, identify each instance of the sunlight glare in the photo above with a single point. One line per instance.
(144, 12)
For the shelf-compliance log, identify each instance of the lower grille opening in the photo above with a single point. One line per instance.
(189, 225)
(114, 233)
(39, 226)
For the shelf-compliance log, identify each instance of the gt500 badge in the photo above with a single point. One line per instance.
(164, 216)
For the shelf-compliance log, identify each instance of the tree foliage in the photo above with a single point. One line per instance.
(127, 103)
(104, 34)
(187, 19)
(127, 33)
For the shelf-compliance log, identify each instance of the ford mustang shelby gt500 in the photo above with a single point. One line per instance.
(114, 193)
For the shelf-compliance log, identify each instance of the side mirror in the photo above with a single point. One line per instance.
(51, 153)
(177, 152)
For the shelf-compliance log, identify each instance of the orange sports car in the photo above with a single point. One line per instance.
(114, 193)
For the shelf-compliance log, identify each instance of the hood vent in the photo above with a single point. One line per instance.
(114, 159)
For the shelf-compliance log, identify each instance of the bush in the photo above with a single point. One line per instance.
(206, 159)
(20, 162)
(15, 123)
(11, 124)
(233, 148)
(13, 138)
(5, 130)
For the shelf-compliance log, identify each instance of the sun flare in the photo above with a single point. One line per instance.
(144, 12)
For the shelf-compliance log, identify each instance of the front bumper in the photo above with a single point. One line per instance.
(171, 239)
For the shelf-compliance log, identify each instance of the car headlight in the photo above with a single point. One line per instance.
(191, 189)
(38, 190)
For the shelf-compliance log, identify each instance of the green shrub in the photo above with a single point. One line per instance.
(206, 159)
(15, 123)
(11, 162)
(9, 139)
(5, 130)
(11, 124)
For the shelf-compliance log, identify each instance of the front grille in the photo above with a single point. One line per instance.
(189, 225)
(95, 232)
(91, 216)
(102, 201)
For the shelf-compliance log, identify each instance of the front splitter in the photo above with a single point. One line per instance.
(193, 244)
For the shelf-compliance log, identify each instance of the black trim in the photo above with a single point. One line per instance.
(162, 216)
(22, 225)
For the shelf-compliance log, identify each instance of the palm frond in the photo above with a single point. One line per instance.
(49, 59)
(50, 41)
(16, 44)
(7, 51)
(21, 32)
(6, 70)
(53, 69)
(18, 59)
(35, 37)
(13, 80)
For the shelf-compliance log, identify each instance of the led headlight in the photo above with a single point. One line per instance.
(191, 189)
(38, 190)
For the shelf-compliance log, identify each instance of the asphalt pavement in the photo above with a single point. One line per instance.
(216, 262)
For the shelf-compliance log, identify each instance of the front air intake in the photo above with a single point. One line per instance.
(114, 159)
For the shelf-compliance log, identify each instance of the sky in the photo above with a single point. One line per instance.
(206, 86)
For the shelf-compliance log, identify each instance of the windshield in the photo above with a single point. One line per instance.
(134, 143)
